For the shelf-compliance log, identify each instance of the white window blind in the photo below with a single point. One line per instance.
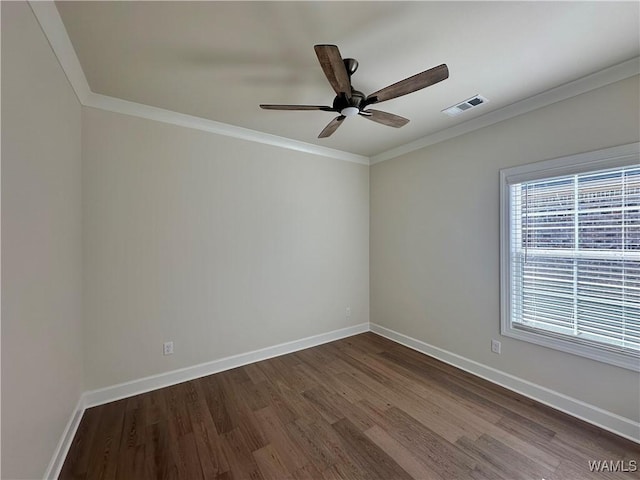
(575, 257)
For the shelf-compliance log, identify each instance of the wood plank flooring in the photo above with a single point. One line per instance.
(358, 408)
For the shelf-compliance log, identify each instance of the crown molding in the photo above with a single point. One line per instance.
(47, 15)
(126, 107)
(53, 28)
(590, 82)
(49, 19)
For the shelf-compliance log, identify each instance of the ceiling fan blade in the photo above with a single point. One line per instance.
(411, 84)
(385, 118)
(332, 126)
(334, 69)
(297, 107)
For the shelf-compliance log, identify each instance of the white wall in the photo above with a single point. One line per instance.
(218, 244)
(41, 247)
(435, 240)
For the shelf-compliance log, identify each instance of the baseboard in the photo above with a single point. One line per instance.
(60, 454)
(606, 420)
(577, 408)
(142, 385)
(116, 392)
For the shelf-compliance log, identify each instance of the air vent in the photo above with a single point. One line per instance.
(468, 104)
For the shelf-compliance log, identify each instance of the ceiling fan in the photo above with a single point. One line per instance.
(350, 102)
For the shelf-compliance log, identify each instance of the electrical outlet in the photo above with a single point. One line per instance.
(496, 346)
(167, 348)
(348, 312)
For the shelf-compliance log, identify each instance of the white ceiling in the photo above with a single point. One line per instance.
(220, 60)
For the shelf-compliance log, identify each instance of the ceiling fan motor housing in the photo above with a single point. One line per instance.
(350, 106)
(357, 100)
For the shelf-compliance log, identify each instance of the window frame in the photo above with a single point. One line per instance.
(619, 156)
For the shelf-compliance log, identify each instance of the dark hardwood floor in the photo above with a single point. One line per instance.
(359, 408)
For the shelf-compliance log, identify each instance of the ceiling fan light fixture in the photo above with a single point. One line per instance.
(350, 111)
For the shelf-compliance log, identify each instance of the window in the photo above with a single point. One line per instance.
(570, 252)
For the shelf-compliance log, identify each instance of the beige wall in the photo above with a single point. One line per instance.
(41, 247)
(120, 233)
(435, 244)
(221, 245)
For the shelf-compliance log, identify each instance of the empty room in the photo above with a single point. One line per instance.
(320, 240)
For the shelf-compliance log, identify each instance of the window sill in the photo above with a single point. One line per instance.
(619, 359)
